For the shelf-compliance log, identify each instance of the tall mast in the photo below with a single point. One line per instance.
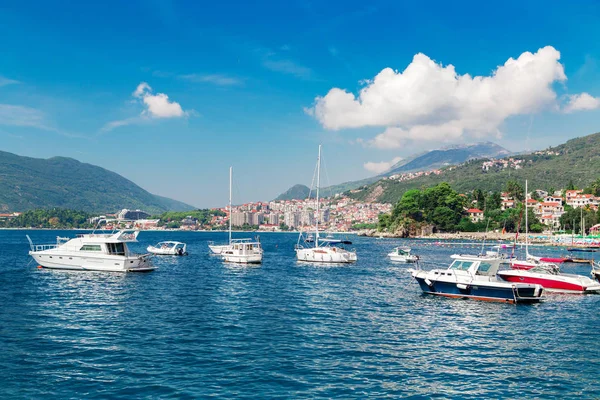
(526, 223)
(230, 209)
(318, 184)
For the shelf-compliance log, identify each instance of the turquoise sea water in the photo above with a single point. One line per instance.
(197, 328)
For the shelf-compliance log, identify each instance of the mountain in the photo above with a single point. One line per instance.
(449, 156)
(296, 192)
(426, 161)
(577, 161)
(60, 182)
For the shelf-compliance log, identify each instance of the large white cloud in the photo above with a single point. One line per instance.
(583, 101)
(157, 105)
(429, 101)
(379, 167)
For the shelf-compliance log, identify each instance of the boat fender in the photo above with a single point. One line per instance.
(536, 292)
(462, 286)
(428, 282)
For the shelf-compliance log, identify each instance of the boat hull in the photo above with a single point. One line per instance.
(243, 259)
(494, 293)
(218, 249)
(78, 263)
(325, 255)
(404, 259)
(553, 283)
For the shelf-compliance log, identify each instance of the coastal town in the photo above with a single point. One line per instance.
(339, 214)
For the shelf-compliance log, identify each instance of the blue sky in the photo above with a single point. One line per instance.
(260, 85)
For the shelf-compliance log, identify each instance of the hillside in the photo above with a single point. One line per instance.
(296, 192)
(450, 156)
(427, 161)
(577, 161)
(30, 183)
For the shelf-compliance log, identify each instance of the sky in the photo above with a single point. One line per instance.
(169, 94)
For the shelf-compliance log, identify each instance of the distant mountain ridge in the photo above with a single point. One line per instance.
(448, 156)
(60, 182)
(296, 192)
(424, 161)
(577, 161)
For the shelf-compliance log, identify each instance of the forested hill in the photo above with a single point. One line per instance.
(32, 183)
(576, 161)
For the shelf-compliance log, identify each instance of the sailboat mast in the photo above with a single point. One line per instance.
(230, 207)
(318, 185)
(526, 223)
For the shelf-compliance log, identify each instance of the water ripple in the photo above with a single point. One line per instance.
(197, 328)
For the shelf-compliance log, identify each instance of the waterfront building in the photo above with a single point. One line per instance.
(292, 219)
(238, 218)
(134, 215)
(475, 214)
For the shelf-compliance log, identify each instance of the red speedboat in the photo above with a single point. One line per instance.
(552, 279)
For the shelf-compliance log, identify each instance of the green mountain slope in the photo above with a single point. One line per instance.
(426, 161)
(28, 183)
(577, 161)
(296, 192)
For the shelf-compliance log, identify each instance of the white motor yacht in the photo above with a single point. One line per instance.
(92, 252)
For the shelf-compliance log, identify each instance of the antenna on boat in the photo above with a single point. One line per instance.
(526, 224)
(318, 184)
(230, 209)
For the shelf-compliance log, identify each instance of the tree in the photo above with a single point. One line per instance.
(515, 190)
(479, 197)
(493, 201)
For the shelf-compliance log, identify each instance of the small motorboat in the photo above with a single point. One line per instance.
(402, 254)
(168, 248)
(474, 277)
(550, 277)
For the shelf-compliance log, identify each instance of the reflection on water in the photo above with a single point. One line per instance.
(197, 327)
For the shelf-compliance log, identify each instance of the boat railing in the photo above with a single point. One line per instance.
(43, 247)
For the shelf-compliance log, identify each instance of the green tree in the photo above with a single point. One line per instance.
(515, 190)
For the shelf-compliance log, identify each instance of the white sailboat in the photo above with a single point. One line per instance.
(243, 251)
(322, 250)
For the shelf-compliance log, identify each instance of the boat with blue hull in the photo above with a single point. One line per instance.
(474, 277)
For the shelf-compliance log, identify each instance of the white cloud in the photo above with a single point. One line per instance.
(5, 81)
(583, 101)
(288, 67)
(22, 116)
(157, 105)
(429, 101)
(380, 167)
(215, 79)
(27, 117)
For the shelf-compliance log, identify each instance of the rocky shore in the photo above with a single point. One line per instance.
(467, 236)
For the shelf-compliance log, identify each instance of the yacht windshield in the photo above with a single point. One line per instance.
(461, 265)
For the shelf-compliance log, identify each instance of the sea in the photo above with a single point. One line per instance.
(199, 328)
